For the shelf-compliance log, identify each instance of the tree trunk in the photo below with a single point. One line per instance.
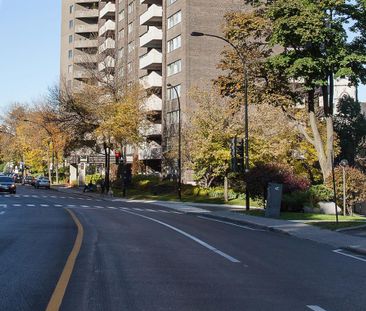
(319, 147)
(56, 168)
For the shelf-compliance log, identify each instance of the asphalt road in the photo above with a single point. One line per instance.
(137, 256)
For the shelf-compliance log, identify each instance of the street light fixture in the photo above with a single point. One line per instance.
(344, 164)
(179, 188)
(246, 119)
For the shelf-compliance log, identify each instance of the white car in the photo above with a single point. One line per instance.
(42, 182)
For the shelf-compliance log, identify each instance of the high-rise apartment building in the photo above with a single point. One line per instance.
(146, 41)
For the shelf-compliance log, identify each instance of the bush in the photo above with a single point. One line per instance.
(95, 178)
(318, 193)
(262, 174)
(295, 201)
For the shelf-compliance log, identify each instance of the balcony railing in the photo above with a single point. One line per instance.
(153, 80)
(108, 26)
(108, 11)
(153, 103)
(152, 38)
(151, 60)
(85, 43)
(153, 16)
(107, 45)
(86, 28)
(92, 13)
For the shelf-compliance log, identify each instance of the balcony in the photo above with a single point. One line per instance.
(85, 58)
(152, 38)
(108, 63)
(81, 74)
(158, 2)
(153, 80)
(92, 13)
(152, 60)
(109, 26)
(108, 11)
(152, 129)
(108, 44)
(152, 151)
(86, 28)
(153, 103)
(153, 16)
(85, 43)
(86, 1)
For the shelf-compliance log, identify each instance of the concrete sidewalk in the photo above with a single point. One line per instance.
(223, 212)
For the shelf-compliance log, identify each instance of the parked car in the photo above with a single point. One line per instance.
(29, 180)
(7, 184)
(42, 182)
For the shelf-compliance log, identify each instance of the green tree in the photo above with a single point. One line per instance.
(296, 47)
(350, 125)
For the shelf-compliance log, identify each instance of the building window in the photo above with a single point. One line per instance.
(70, 54)
(171, 2)
(121, 34)
(130, 7)
(71, 8)
(171, 94)
(121, 15)
(70, 38)
(129, 67)
(174, 43)
(130, 46)
(175, 67)
(172, 117)
(130, 27)
(120, 53)
(71, 24)
(174, 19)
(69, 69)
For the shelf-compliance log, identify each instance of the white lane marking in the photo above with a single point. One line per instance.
(178, 213)
(340, 252)
(315, 308)
(31, 205)
(44, 205)
(3, 205)
(17, 196)
(111, 207)
(2, 213)
(151, 210)
(17, 205)
(137, 209)
(34, 196)
(26, 195)
(204, 244)
(230, 223)
(71, 205)
(57, 205)
(161, 210)
(84, 205)
(62, 197)
(98, 206)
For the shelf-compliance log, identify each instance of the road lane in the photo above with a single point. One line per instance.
(132, 263)
(34, 245)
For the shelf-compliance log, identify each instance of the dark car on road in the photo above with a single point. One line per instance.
(7, 184)
(29, 180)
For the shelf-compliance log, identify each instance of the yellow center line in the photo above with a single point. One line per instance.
(59, 292)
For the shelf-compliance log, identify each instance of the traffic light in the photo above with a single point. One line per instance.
(118, 156)
(237, 155)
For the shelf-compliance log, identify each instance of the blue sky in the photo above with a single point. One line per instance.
(30, 50)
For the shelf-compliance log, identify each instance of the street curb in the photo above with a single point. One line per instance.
(355, 249)
(239, 222)
(350, 228)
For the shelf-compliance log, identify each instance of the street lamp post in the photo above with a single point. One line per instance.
(179, 188)
(246, 118)
(344, 164)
